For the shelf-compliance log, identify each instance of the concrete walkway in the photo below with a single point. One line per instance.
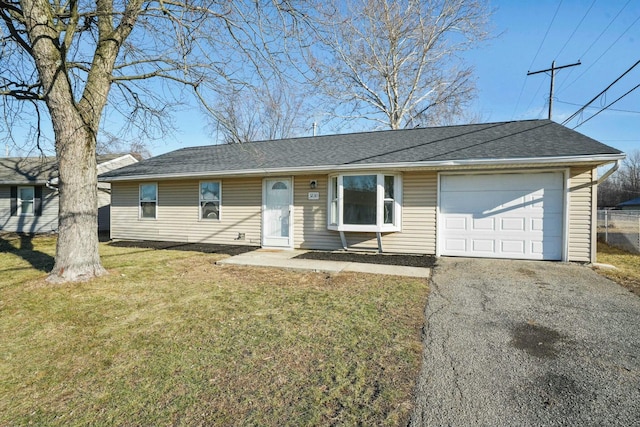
(286, 259)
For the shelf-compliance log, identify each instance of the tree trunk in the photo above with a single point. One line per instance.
(77, 255)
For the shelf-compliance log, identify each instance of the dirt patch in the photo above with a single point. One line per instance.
(207, 248)
(366, 258)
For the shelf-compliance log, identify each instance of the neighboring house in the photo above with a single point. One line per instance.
(523, 189)
(630, 205)
(29, 192)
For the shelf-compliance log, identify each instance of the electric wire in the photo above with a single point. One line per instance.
(576, 28)
(571, 117)
(610, 109)
(603, 53)
(545, 34)
(568, 75)
(524, 82)
(606, 107)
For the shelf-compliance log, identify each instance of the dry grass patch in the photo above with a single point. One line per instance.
(627, 272)
(171, 338)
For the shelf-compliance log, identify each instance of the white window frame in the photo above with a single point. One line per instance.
(19, 201)
(140, 202)
(334, 200)
(200, 200)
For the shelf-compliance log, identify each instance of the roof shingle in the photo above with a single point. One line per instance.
(503, 140)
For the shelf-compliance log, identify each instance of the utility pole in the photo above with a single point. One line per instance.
(553, 70)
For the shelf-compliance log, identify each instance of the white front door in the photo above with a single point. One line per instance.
(276, 212)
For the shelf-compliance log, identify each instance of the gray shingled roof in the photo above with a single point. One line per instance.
(35, 170)
(504, 140)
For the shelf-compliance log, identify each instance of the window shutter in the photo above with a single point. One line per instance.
(14, 201)
(37, 201)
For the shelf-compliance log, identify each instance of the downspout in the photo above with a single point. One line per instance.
(608, 173)
(594, 208)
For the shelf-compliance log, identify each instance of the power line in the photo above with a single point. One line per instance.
(598, 95)
(524, 82)
(610, 109)
(603, 53)
(576, 29)
(625, 94)
(553, 70)
(546, 34)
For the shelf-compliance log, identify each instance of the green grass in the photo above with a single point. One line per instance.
(168, 337)
(627, 272)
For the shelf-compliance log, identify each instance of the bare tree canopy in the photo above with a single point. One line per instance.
(397, 62)
(623, 185)
(60, 60)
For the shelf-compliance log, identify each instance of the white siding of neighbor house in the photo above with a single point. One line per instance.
(178, 213)
(104, 189)
(418, 218)
(45, 223)
(581, 197)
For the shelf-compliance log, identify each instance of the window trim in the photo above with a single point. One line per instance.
(380, 226)
(143, 218)
(200, 218)
(19, 201)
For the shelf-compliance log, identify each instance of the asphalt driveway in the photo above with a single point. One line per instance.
(528, 343)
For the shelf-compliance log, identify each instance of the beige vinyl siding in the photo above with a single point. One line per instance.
(580, 213)
(178, 213)
(45, 223)
(418, 233)
(310, 216)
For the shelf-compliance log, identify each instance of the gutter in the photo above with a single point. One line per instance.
(605, 158)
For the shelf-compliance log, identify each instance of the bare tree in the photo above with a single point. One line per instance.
(61, 58)
(111, 144)
(624, 184)
(397, 62)
(253, 114)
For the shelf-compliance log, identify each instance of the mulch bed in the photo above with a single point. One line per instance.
(207, 248)
(372, 258)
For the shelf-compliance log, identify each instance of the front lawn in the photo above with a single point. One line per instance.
(170, 338)
(627, 272)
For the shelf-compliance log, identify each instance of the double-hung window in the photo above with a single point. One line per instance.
(365, 202)
(210, 200)
(26, 198)
(148, 200)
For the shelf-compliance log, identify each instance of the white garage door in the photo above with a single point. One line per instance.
(516, 216)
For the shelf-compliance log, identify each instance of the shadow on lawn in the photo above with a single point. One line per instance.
(38, 260)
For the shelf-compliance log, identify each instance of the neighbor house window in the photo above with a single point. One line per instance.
(210, 200)
(26, 198)
(366, 202)
(148, 200)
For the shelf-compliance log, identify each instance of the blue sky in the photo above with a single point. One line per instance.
(603, 34)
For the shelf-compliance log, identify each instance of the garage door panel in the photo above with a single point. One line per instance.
(502, 215)
(483, 224)
(487, 246)
(512, 224)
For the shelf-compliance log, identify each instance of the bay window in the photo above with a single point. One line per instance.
(364, 202)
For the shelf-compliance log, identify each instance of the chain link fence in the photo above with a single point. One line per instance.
(620, 229)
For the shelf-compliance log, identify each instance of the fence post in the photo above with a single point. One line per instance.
(606, 226)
